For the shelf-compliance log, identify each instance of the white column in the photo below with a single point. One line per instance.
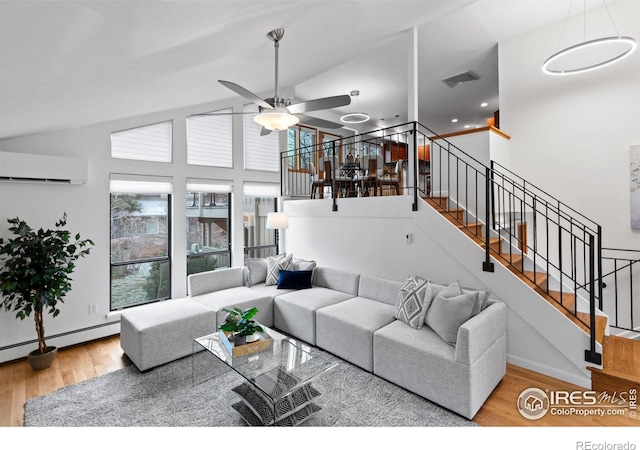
(412, 101)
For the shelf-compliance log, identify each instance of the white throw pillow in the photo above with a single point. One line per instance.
(449, 309)
(413, 301)
(257, 270)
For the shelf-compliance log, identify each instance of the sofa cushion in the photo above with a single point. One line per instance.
(274, 265)
(379, 289)
(294, 313)
(337, 280)
(346, 328)
(412, 301)
(215, 280)
(449, 309)
(295, 279)
(242, 297)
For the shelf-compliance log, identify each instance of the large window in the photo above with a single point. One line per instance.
(208, 226)
(209, 139)
(140, 243)
(260, 152)
(259, 200)
(148, 143)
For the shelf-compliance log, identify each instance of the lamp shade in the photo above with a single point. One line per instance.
(277, 221)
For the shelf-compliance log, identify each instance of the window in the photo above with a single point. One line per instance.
(140, 245)
(259, 200)
(260, 152)
(208, 226)
(148, 143)
(301, 147)
(331, 140)
(209, 140)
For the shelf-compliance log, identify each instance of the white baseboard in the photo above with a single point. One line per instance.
(582, 381)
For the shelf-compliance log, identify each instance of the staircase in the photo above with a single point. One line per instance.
(621, 357)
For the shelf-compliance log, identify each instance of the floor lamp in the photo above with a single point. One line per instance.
(277, 221)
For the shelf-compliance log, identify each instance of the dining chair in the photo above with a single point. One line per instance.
(372, 176)
(392, 179)
(317, 182)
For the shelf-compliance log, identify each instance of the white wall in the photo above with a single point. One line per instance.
(571, 135)
(88, 212)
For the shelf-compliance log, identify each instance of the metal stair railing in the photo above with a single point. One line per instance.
(549, 243)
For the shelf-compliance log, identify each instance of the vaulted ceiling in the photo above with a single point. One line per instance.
(66, 64)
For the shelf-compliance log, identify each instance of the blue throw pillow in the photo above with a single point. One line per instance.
(294, 279)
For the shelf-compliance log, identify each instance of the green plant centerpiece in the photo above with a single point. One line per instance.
(240, 324)
(35, 275)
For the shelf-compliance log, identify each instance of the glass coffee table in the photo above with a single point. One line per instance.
(278, 389)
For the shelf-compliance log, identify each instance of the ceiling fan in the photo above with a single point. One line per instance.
(278, 113)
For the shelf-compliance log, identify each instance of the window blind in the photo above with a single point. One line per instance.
(209, 140)
(262, 190)
(139, 184)
(217, 186)
(260, 152)
(148, 143)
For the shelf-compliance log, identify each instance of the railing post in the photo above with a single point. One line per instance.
(591, 355)
(599, 227)
(415, 167)
(334, 161)
(487, 265)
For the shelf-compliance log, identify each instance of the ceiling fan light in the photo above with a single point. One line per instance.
(355, 117)
(276, 120)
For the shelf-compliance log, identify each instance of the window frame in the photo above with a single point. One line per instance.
(228, 251)
(139, 261)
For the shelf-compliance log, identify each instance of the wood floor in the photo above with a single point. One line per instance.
(74, 364)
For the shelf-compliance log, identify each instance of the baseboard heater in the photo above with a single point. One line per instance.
(54, 336)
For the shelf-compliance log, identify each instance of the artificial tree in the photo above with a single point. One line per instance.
(35, 270)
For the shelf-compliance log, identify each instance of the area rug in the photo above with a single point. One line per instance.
(168, 397)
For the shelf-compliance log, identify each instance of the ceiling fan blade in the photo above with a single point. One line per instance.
(264, 131)
(314, 121)
(245, 93)
(319, 103)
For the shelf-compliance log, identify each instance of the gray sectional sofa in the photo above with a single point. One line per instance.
(352, 316)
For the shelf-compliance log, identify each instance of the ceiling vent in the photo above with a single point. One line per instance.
(463, 77)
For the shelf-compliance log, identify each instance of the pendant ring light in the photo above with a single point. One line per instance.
(355, 117)
(604, 51)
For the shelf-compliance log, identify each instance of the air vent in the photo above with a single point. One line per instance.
(463, 77)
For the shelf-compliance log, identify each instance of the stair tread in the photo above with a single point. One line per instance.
(566, 299)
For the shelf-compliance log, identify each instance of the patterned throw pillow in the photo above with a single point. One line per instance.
(274, 265)
(413, 301)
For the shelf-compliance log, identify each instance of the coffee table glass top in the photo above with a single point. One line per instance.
(285, 355)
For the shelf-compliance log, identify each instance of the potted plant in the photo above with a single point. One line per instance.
(35, 276)
(240, 325)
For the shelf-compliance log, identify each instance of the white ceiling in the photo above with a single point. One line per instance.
(66, 64)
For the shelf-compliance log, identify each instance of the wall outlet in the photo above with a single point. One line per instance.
(407, 238)
(93, 309)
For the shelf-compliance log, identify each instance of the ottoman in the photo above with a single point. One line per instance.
(162, 332)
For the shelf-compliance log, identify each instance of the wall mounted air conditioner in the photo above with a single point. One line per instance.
(31, 168)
